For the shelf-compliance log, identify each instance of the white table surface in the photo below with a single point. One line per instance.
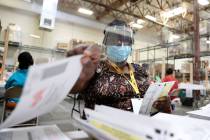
(190, 87)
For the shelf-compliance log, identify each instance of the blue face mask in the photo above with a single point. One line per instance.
(118, 53)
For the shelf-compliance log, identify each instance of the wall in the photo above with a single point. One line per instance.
(64, 31)
(29, 24)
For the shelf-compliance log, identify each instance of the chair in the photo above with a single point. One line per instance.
(76, 97)
(8, 107)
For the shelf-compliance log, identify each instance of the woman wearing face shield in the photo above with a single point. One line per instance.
(113, 82)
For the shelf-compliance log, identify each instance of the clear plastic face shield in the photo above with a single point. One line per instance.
(118, 43)
(118, 36)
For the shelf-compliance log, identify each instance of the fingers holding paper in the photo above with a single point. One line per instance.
(90, 60)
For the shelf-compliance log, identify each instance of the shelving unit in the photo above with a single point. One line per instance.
(4, 57)
(172, 58)
(52, 53)
(169, 45)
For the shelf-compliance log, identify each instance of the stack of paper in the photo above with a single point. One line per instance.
(197, 129)
(33, 133)
(151, 95)
(202, 113)
(106, 123)
(154, 91)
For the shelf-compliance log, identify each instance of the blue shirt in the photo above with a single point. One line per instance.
(18, 78)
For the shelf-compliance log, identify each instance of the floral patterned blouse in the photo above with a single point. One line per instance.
(112, 89)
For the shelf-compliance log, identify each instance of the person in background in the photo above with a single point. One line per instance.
(169, 78)
(18, 78)
(187, 81)
(112, 82)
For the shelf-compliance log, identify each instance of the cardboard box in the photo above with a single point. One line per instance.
(62, 46)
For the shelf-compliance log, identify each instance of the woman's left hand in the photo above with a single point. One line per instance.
(163, 104)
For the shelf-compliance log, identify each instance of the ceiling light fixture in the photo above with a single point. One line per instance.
(34, 36)
(203, 2)
(140, 21)
(175, 36)
(174, 12)
(29, 1)
(151, 18)
(132, 22)
(85, 11)
(136, 25)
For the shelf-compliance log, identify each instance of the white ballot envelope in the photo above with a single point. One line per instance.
(153, 92)
(46, 86)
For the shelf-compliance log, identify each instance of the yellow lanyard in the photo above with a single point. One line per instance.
(132, 81)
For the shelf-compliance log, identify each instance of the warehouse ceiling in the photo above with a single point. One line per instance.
(153, 13)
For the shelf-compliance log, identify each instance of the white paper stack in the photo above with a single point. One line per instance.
(106, 123)
(154, 91)
(151, 95)
(33, 133)
(202, 113)
(197, 129)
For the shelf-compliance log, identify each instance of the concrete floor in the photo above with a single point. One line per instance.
(61, 115)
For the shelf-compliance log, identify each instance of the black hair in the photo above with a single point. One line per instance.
(25, 60)
(169, 71)
(117, 22)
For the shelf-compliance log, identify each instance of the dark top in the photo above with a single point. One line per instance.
(112, 89)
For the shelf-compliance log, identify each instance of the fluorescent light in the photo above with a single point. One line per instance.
(208, 41)
(131, 23)
(135, 25)
(203, 2)
(150, 17)
(29, 1)
(140, 21)
(174, 12)
(34, 36)
(175, 36)
(85, 11)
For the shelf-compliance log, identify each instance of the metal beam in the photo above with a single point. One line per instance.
(196, 39)
(159, 8)
(115, 5)
(160, 4)
(131, 14)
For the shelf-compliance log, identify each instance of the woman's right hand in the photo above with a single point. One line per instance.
(90, 60)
